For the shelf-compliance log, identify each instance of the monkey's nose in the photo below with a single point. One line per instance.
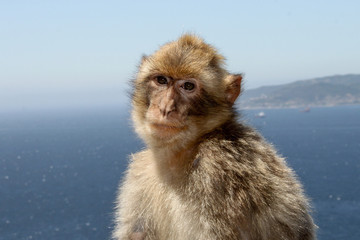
(166, 112)
(167, 107)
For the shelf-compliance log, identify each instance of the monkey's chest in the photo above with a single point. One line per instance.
(174, 217)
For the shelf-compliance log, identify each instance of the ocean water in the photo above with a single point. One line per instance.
(59, 170)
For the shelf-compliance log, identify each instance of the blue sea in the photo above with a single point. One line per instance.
(59, 170)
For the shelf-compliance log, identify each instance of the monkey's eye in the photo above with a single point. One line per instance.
(188, 86)
(161, 80)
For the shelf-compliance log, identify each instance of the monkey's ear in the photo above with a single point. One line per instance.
(233, 87)
(143, 59)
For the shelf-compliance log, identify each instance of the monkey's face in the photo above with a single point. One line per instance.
(176, 109)
(170, 110)
(169, 105)
(181, 92)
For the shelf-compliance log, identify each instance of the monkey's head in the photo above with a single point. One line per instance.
(182, 92)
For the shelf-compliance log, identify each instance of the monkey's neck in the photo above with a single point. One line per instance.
(172, 163)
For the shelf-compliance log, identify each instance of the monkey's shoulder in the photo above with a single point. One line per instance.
(140, 165)
(140, 156)
(239, 153)
(235, 141)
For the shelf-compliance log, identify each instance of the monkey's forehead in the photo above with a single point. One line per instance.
(180, 61)
(178, 66)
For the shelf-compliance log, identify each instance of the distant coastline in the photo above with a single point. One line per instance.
(318, 92)
(241, 107)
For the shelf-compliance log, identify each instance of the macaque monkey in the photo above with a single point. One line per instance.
(203, 175)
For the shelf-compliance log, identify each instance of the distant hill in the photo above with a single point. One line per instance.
(325, 91)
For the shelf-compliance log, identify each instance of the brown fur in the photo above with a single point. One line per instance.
(203, 175)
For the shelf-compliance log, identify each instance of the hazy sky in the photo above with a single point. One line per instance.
(68, 53)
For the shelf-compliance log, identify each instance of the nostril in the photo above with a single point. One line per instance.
(163, 112)
(170, 109)
(169, 112)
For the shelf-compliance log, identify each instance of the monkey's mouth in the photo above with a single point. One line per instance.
(166, 130)
(167, 127)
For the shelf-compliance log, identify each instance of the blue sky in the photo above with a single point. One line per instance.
(72, 53)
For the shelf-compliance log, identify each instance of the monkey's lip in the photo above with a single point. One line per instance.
(167, 127)
(166, 131)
